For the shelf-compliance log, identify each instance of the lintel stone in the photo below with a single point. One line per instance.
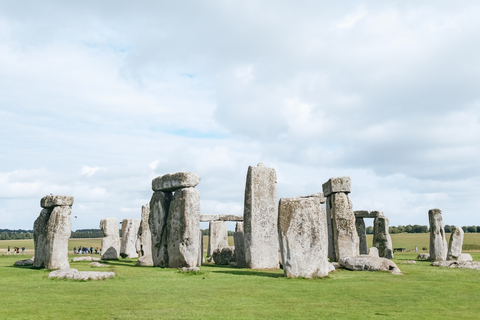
(335, 185)
(218, 217)
(56, 201)
(175, 181)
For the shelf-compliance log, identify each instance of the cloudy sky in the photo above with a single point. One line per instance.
(98, 98)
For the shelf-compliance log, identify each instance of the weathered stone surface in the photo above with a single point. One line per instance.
(218, 236)
(54, 201)
(345, 236)
(367, 263)
(438, 243)
(190, 269)
(224, 256)
(87, 258)
(157, 221)
(410, 262)
(423, 256)
(183, 227)
(129, 238)
(302, 230)
(458, 264)
(220, 217)
(58, 233)
(330, 233)
(373, 252)
(318, 195)
(261, 216)
(98, 264)
(381, 237)
(40, 237)
(334, 185)
(200, 248)
(335, 265)
(362, 235)
(26, 262)
(239, 243)
(455, 244)
(80, 275)
(368, 214)
(175, 181)
(145, 238)
(111, 239)
(465, 257)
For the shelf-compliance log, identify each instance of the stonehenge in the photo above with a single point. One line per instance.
(218, 236)
(111, 239)
(129, 238)
(145, 239)
(381, 237)
(438, 243)
(239, 244)
(51, 232)
(455, 244)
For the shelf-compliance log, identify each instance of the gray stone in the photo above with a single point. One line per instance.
(224, 256)
(40, 238)
(410, 262)
(367, 263)
(438, 243)
(373, 252)
(330, 233)
(175, 181)
(362, 235)
(26, 262)
(335, 265)
(458, 264)
(318, 195)
(239, 243)
(129, 238)
(74, 274)
(368, 214)
(190, 269)
(183, 227)
(145, 238)
(98, 264)
(334, 185)
(58, 232)
(87, 258)
(200, 248)
(219, 217)
(157, 221)
(218, 236)
(51, 201)
(381, 237)
(423, 256)
(111, 239)
(345, 236)
(465, 257)
(302, 230)
(261, 216)
(455, 244)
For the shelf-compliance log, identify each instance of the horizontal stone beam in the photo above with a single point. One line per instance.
(218, 217)
(368, 214)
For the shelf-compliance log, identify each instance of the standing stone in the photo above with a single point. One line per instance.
(330, 233)
(438, 243)
(373, 252)
(362, 235)
(239, 243)
(111, 239)
(40, 237)
(183, 227)
(346, 240)
(129, 238)
(261, 216)
(145, 238)
(157, 221)
(381, 237)
(218, 236)
(200, 248)
(302, 229)
(455, 244)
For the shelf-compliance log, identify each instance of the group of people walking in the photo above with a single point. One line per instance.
(16, 250)
(84, 250)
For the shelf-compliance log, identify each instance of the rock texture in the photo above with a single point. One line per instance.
(87, 258)
(200, 248)
(362, 235)
(438, 243)
(239, 243)
(175, 181)
(465, 257)
(373, 252)
(260, 218)
(455, 244)
(51, 201)
(111, 239)
(80, 275)
(129, 238)
(145, 238)
(157, 221)
(346, 240)
(337, 185)
(423, 256)
(40, 237)
(183, 226)
(367, 263)
(218, 236)
(26, 262)
(98, 264)
(381, 237)
(302, 229)
(224, 256)
(458, 264)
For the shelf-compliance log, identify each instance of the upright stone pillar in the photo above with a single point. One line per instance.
(52, 230)
(111, 239)
(455, 244)
(157, 221)
(145, 238)
(438, 243)
(345, 237)
(200, 248)
(129, 238)
(218, 236)
(381, 237)
(260, 218)
(239, 243)
(302, 230)
(362, 235)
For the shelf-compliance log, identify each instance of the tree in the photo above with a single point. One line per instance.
(448, 228)
(369, 230)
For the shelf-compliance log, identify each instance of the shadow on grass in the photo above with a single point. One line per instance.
(243, 272)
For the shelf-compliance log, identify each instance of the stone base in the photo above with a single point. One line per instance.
(74, 274)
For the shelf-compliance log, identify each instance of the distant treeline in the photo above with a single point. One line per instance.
(424, 229)
(7, 234)
(87, 233)
(205, 232)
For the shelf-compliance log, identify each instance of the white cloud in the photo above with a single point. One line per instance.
(90, 171)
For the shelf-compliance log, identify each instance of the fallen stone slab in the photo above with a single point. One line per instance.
(190, 269)
(70, 273)
(224, 256)
(458, 264)
(367, 263)
(54, 201)
(334, 185)
(423, 256)
(410, 262)
(175, 181)
(465, 257)
(87, 258)
(26, 262)
(98, 264)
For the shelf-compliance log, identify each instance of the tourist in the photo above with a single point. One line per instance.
(8, 250)
(23, 250)
(74, 250)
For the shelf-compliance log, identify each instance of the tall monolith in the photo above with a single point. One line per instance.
(455, 244)
(217, 237)
(381, 237)
(157, 221)
(145, 238)
(111, 239)
(438, 243)
(362, 235)
(129, 238)
(239, 243)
